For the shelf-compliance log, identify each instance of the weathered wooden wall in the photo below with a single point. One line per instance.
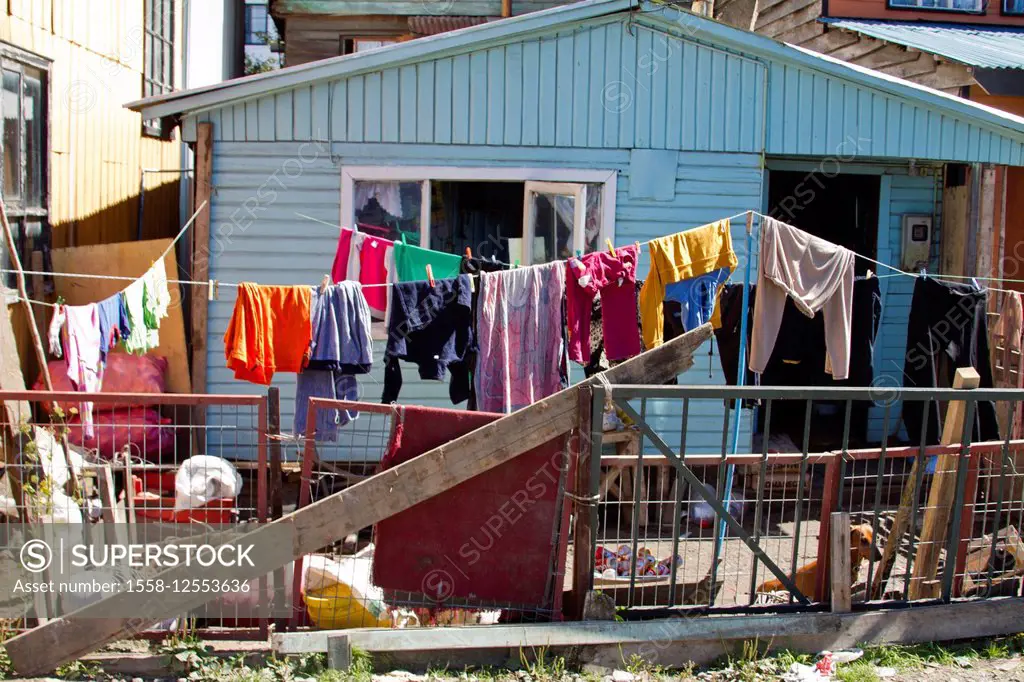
(97, 149)
(796, 22)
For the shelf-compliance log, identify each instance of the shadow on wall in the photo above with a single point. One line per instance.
(116, 223)
(120, 222)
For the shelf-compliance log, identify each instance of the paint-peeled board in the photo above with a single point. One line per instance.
(128, 259)
(492, 538)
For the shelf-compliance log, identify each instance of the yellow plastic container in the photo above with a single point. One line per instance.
(336, 608)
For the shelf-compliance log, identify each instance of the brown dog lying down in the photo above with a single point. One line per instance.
(862, 546)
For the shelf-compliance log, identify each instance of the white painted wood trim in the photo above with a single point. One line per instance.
(577, 191)
(558, 176)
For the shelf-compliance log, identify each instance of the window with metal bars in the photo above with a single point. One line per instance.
(158, 71)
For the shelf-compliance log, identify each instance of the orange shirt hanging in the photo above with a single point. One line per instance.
(269, 331)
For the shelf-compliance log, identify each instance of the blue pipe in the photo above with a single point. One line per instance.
(741, 375)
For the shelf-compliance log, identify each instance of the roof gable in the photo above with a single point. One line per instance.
(594, 75)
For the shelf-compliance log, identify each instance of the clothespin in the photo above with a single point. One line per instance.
(469, 253)
(870, 274)
(324, 283)
(750, 222)
(579, 253)
(472, 284)
(430, 275)
(516, 264)
(637, 245)
(404, 242)
(211, 289)
(611, 249)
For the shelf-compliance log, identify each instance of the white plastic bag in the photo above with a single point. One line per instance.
(204, 478)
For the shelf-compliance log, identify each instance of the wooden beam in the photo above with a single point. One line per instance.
(888, 55)
(955, 201)
(365, 503)
(946, 77)
(788, 22)
(923, 584)
(785, 9)
(839, 540)
(924, 64)
(802, 33)
(988, 617)
(199, 303)
(830, 41)
(583, 543)
(30, 319)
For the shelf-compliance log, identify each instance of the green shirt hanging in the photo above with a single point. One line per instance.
(411, 263)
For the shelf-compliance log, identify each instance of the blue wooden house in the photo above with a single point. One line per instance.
(645, 119)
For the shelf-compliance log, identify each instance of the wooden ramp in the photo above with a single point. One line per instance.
(364, 504)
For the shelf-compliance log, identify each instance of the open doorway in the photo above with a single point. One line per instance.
(842, 209)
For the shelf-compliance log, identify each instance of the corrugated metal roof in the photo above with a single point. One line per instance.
(429, 26)
(986, 47)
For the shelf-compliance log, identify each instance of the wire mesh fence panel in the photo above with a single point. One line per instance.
(662, 543)
(119, 466)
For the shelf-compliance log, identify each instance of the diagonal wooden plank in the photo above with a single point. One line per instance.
(374, 499)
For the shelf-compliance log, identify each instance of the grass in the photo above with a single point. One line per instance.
(858, 671)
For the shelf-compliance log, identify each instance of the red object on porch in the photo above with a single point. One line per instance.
(492, 538)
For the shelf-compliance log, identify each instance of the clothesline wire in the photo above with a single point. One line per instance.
(339, 228)
(235, 285)
(897, 271)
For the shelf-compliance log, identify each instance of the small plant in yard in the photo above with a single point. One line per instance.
(79, 670)
(858, 671)
(638, 666)
(541, 667)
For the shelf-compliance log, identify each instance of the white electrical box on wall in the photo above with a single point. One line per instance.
(917, 241)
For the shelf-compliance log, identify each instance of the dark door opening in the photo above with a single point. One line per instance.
(842, 209)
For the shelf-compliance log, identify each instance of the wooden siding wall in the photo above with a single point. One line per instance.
(97, 149)
(842, 119)
(608, 85)
(260, 187)
(901, 194)
(579, 88)
(796, 22)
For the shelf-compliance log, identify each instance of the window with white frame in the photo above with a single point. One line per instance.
(520, 215)
(967, 6)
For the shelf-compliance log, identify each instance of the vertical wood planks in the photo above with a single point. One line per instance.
(408, 103)
(424, 113)
(496, 96)
(513, 96)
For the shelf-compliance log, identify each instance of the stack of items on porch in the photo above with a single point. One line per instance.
(85, 337)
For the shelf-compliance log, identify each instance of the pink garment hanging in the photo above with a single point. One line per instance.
(614, 277)
(339, 271)
(374, 258)
(82, 351)
(519, 330)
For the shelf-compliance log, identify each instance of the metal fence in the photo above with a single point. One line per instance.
(749, 531)
(121, 468)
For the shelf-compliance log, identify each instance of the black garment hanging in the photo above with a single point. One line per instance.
(798, 358)
(948, 329)
(431, 325)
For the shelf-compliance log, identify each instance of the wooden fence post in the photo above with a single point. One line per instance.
(842, 601)
(923, 583)
(199, 302)
(583, 531)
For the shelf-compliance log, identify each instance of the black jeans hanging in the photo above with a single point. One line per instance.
(947, 330)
